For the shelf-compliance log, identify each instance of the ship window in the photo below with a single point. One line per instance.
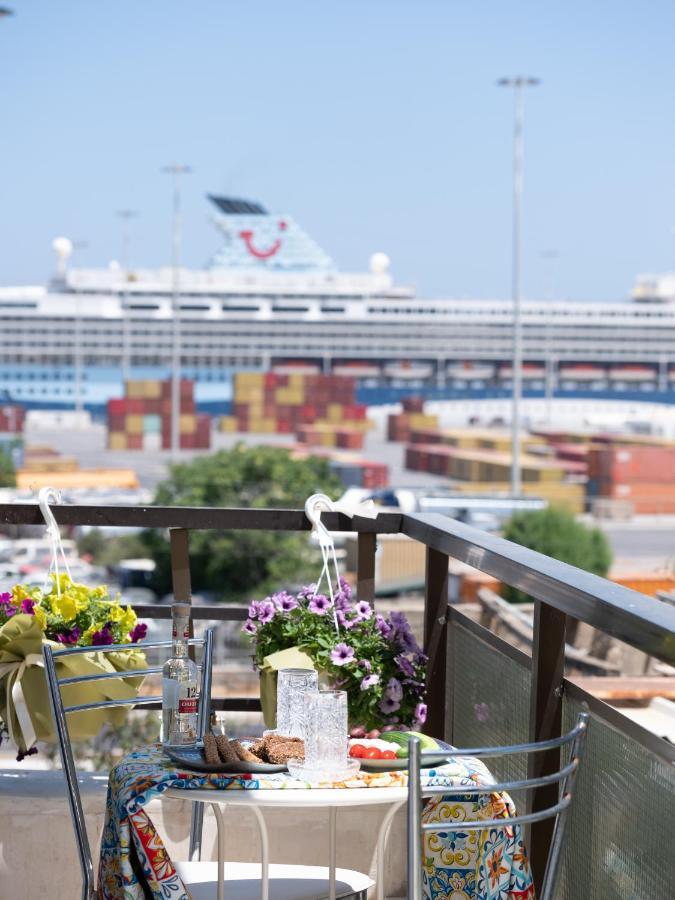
(195, 307)
(143, 306)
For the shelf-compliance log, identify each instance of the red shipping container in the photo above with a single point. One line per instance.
(117, 406)
(134, 441)
(413, 404)
(271, 380)
(116, 423)
(187, 441)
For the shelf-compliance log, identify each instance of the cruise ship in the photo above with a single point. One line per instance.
(272, 299)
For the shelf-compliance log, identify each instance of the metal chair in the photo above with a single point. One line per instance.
(565, 777)
(60, 712)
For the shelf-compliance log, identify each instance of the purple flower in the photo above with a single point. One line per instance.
(364, 664)
(250, 627)
(138, 632)
(405, 665)
(342, 601)
(307, 592)
(345, 621)
(253, 609)
(369, 681)
(364, 610)
(284, 601)
(342, 654)
(27, 606)
(320, 604)
(266, 611)
(7, 608)
(104, 636)
(420, 714)
(383, 627)
(387, 705)
(69, 637)
(394, 690)
(345, 588)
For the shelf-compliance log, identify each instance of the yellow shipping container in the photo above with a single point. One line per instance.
(117, 440)
(249, 379)
(228, 423)
(290, 396)
(248, 393)
(134, 424)
(134, 389)
(187, 424)
(81, 478)
(568, 494)
(152, 389)
(296, 380)
(262, 425)
(335, 412)
(422, 420)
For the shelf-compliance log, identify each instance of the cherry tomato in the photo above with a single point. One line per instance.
(357, 751)
(388, 754)
(372, 753)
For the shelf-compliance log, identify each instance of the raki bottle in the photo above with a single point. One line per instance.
(180, 685)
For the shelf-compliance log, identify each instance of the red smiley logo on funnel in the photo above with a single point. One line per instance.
(268, 252)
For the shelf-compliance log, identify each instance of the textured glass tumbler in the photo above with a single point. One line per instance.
(291, 687)
(326, 730)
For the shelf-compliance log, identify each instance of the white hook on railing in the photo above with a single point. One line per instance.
(46, 496)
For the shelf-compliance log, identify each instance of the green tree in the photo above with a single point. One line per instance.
(106, 550)
(555, 532)
(7, 470)
(240, 564)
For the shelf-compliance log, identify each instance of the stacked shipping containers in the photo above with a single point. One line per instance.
(141, 420)
(642, 475)
(413, 418)
(281, 404)
(12, 418)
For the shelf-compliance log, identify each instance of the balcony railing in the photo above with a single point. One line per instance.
(482, 690)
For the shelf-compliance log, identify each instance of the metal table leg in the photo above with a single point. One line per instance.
(264, 854)
(332, 850)
(220, 823)
(382, 837)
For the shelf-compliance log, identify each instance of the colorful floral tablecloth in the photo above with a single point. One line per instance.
(458, 865)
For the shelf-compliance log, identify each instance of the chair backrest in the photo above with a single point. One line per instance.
(60, 714)
(564, 777)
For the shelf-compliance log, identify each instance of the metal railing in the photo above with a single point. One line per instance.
(559, 591)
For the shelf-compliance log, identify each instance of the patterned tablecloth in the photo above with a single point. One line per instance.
(458, 865)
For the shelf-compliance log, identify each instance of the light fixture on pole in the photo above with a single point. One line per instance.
(176, 170)
(518, 84)
(125, 215)
(5, 11)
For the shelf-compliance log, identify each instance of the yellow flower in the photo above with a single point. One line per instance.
(40, 617)
(128, 620)
(88, 635)
(116, 613)
(65, 606)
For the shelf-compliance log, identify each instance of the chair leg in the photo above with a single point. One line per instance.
(196, 830)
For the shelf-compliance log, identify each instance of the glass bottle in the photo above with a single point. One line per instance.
(180, 685)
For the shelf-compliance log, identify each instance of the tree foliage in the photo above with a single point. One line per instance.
(237, 564)
(7, 470)
(555, 532)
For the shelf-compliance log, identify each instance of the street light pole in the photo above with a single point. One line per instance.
(176, 170)
(517, 352)
(125, 215)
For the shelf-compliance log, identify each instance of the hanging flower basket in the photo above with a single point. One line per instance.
(376, 659)
(66, 614)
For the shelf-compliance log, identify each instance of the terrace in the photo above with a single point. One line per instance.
(481, 690)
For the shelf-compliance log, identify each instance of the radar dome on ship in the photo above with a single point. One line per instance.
(379, 263)
(63, 247)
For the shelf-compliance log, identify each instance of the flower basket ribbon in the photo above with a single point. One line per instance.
(24, 697)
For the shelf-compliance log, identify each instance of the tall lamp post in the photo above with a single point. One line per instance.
(176, 170)
(125, 215)
(518, 84)
(549, 257)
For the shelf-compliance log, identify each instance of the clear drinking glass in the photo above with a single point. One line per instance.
(292, 684)
(326, 730)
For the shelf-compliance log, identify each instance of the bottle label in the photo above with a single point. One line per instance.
(187, 697)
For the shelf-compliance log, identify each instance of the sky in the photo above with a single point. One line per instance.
(376, 124)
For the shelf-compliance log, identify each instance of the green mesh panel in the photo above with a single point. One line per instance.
(620, 843)
(491, 700)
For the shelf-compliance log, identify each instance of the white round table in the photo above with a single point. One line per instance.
(331, 799)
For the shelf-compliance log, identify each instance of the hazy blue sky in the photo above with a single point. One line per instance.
(376, 123)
